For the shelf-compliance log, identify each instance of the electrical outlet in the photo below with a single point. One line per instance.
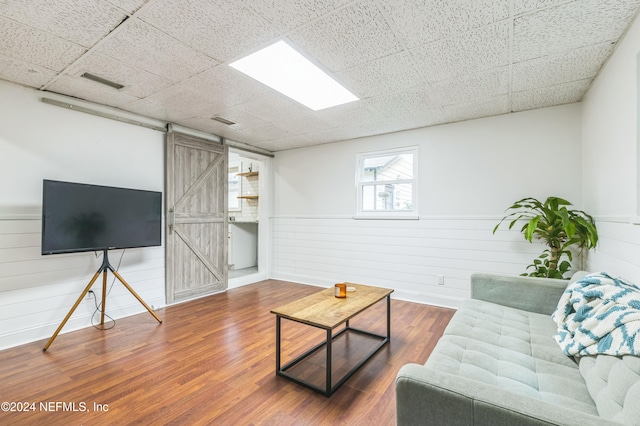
(440, 279)
(90, 295)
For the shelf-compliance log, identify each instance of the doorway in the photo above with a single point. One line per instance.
(246, 191)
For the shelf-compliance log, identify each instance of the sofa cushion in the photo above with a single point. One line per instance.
(521, 331)
(511, 349)
(614, 384)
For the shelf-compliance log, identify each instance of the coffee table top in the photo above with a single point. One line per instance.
(324, 310)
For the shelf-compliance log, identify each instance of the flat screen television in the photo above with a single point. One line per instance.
(78, 217)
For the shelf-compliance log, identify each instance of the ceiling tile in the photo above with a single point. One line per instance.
(91, 91)
(83, 22)
(170, 104)
(136, 82)
(301, 124)
(415, 63)
(405, 103)
(142, 46)
(290, 142)
(243, 118)
(563, 67)
(476, 109)
(265, 132)
(487, 84)
(476, 50)
(208, 125)
(570, 26)
(414, 120)
(347, 114)
(421, 22)
(36, 47)
(381, 126)
(24, 73)
(340, 133)
(295, 118)
(524, 6)
(549, 96)
(286, 15)
(222, 29)
(359, 128)
(273, 106)
(128, 6)
(388, 74)
(224, 87)
(349, 37)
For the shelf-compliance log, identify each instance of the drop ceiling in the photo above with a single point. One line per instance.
(412, 63)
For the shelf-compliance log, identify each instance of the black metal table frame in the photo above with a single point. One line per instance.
(328, 390)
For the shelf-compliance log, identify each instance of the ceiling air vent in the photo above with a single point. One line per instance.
(223, 120)
(102, 81)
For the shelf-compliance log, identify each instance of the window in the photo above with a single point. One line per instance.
(387, 184)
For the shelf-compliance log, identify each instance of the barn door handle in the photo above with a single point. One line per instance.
(172, 215)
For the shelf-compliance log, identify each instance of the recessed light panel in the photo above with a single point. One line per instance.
(286, 70)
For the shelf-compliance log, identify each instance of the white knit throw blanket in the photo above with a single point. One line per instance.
(599, 314)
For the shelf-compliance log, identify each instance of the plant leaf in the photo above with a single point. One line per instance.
(531, 227)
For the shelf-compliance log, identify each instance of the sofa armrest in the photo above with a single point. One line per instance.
(531, 294)
(425, 396)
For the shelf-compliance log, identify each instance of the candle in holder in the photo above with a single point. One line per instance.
(341, 290)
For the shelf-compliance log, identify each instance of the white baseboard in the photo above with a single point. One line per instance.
(428, 299)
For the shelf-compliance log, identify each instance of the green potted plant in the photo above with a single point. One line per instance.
(558, 227)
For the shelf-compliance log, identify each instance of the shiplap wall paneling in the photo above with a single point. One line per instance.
(405, 255)
(618, 250)
(37, 291)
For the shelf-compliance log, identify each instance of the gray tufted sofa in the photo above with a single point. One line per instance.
(498, 364)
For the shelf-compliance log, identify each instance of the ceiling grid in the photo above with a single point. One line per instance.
(413, 63)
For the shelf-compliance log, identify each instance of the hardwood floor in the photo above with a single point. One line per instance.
(211, 361)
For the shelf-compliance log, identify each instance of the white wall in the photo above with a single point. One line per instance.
(610, 160)
(39, 141)
(469, 173)
(609, 123)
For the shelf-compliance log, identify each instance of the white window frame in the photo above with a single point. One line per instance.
(360, 184)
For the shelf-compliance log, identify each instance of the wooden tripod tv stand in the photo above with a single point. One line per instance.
(104, 268)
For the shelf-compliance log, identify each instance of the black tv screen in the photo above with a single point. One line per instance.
(78, 217)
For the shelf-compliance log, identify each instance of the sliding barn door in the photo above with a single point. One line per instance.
(196, 234)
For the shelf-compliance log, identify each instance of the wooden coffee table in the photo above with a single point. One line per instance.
(325, 311)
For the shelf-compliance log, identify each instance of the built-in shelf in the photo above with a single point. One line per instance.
(247, 174)
(250, 197)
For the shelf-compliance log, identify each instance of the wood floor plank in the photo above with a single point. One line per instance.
(211, 361)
